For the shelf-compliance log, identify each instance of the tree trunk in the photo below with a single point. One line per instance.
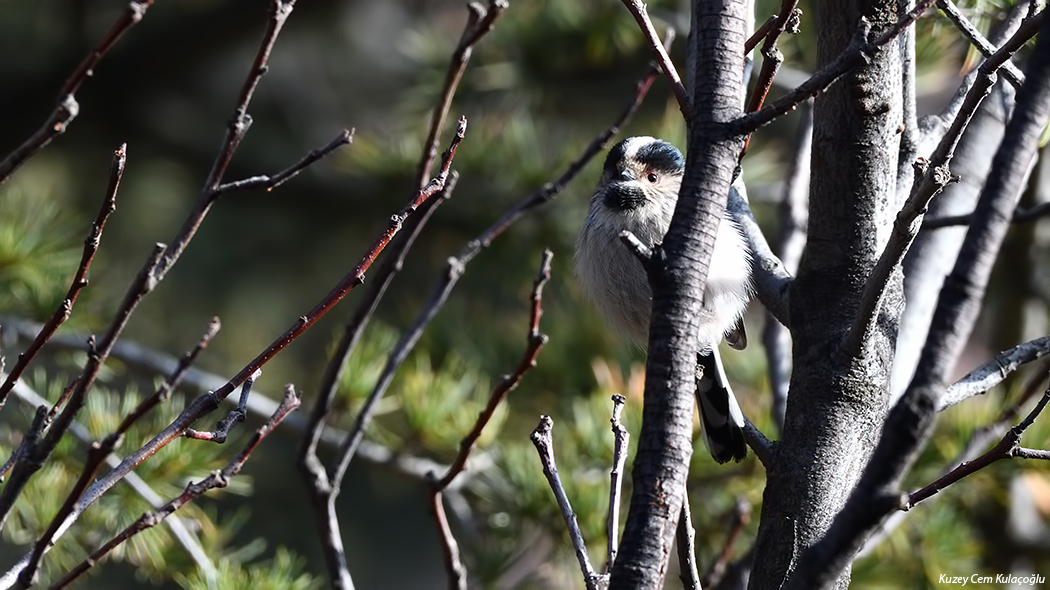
(837, 402)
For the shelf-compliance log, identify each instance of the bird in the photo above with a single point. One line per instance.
(637, 192)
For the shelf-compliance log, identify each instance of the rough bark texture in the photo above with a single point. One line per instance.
(837, 403)
(678, 272)
(909, 424)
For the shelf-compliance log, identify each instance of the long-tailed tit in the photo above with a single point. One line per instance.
(637, 192)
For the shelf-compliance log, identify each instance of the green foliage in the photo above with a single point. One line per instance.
(39, 241)
(284, 572)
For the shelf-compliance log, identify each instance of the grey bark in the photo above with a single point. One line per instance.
(837, 403)
(677, 273)
(909, 424)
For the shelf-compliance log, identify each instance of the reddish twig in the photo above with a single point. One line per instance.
(204, 404)
(759, 34)
(68, 108)
(91, 243)
(621, 441)
(856, 53)
(1008, 447)
(641, 15)
(218, 479)
(96, 455)
(236, 416)
(163, 393)
(772, 58)
(457, 573)
(315, 474)
(541, 437)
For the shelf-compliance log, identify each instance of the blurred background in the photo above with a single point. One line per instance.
(540, 86)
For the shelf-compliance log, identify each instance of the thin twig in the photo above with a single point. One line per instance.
(457, 573)
(685, 537)
(1026, 215)
(236, 416)
(772, 59)
(259, 404)
(96, 455)
(205, 403)
(993, 372)
(950, 10)
(930, 178)
(479, 22)
(621, 440)
(163, 393)
(67, 107)
(1008, 447)
(456, 267)
(91, 243)
(641, 15)
(235, 131)
(271, 182)
(541, 437)
(218, 479)
(858, 52)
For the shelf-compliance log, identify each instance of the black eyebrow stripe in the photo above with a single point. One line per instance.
(662, 157)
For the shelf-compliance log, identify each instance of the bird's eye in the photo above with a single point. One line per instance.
(651, 177)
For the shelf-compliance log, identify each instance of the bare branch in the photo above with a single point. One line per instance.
(990, 374)
(1026, 215)
(950, 10)
(222, 430)
(271, 182)
(1008, 447)
(182, 533)
(218, 479)
(479, 22)
(621, 438)
(457, 573)
(762, 446)
(541, 437)
(641, 251)
(686, 541)
(67, 107)
(641, 15)
(855, 54)
(772, 59)
(109, 205)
